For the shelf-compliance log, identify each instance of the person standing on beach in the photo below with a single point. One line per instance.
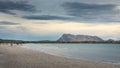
(11, 44)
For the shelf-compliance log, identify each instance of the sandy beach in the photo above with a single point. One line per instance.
(18, 57)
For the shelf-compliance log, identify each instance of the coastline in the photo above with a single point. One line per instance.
(19, 57)
(63, 56)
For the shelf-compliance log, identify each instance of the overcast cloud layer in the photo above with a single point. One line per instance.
(49, 19)
(93, 12)
(6, 6)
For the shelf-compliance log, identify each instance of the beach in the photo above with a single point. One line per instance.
(18, 57)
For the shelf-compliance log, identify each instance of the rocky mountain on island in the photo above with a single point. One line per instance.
(78, 38)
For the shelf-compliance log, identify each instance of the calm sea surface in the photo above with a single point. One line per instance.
(96, 52)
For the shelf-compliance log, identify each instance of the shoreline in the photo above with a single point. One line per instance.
(19, 57)
(107, 62)
(70, 57)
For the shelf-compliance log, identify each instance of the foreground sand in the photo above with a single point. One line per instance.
(17, 57)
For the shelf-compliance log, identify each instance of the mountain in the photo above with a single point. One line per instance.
(77, 38)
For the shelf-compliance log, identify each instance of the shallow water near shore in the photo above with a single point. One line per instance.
(96, 52)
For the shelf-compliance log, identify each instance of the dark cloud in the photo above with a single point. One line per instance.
(79, 9)
(46, 17)
(21, 5)
(8, 23)
(7, 11)
(92, 12)
(40, 22)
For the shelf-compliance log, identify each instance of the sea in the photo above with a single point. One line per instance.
(96, 52)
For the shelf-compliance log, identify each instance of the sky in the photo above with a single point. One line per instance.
(49, 19)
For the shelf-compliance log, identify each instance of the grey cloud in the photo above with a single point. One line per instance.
(40, 22)
(7, 11)
(92, 12)
(20, 5)
(8, 23)
(78, 9)
(46, 17)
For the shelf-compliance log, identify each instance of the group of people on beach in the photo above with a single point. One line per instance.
(11, 44)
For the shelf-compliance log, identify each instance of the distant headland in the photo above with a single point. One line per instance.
(67, 38)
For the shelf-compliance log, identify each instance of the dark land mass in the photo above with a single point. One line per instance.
(67, 38)
(24, 42)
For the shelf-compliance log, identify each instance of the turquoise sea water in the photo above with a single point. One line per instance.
(95, 52)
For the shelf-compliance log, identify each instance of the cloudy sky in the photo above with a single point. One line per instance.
(49, 19)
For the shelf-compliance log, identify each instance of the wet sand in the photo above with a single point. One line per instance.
(18, 57)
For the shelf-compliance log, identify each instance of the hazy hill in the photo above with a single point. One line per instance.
(72, 38)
